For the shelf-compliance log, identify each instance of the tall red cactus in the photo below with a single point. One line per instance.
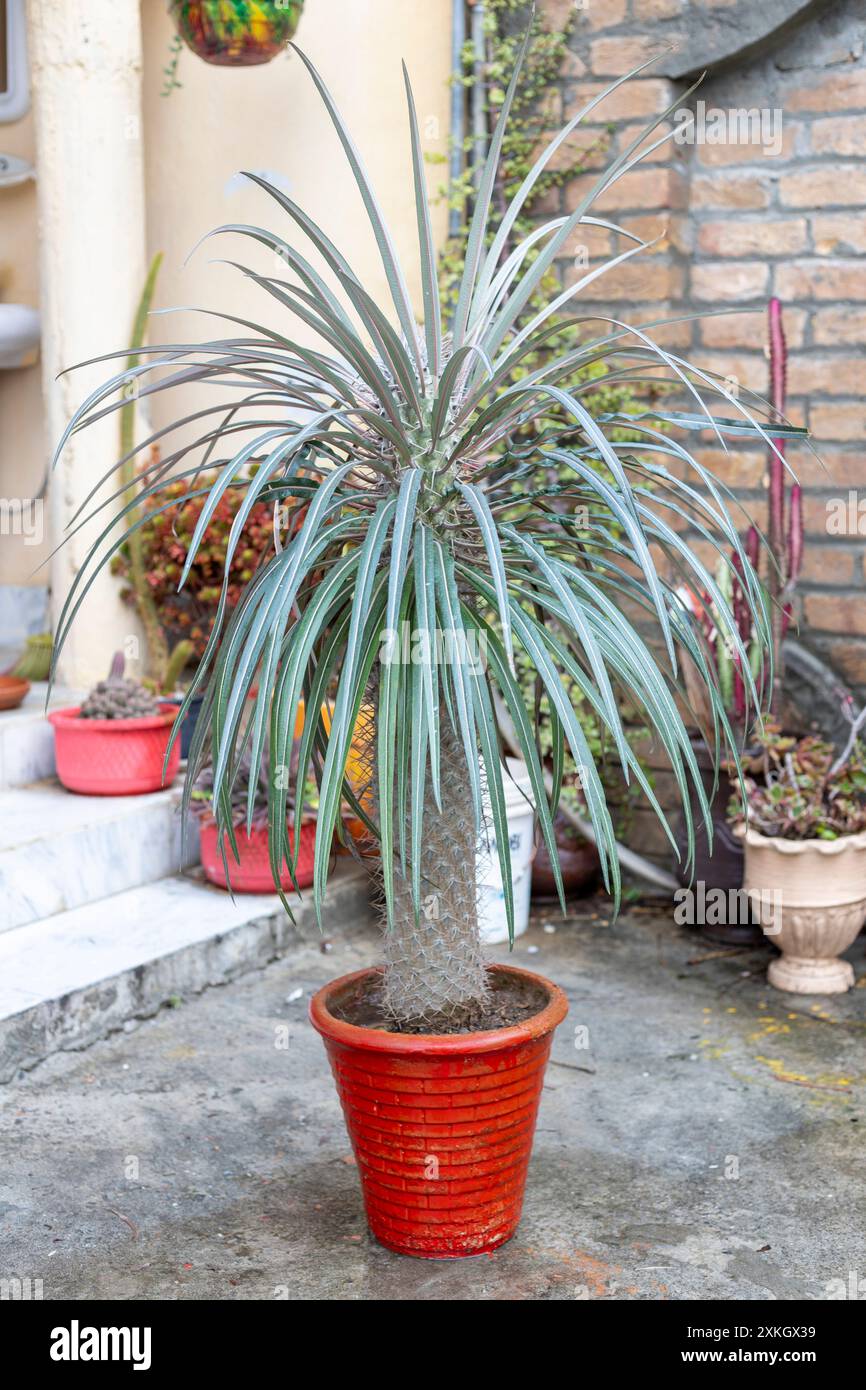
(786, 544)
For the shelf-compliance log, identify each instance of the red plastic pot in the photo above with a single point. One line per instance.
(114, 757)
(441, 1126)
(253, 873)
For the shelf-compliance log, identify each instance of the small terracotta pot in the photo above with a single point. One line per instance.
(253, 873)
(811, 896)
(114, 757)
(441, 1126)
(12, 691)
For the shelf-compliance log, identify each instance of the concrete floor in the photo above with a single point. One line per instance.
(708, 1143)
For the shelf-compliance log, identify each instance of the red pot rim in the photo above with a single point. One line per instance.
(66, 718)
(420, 1044)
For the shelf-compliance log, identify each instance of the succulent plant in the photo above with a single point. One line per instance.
(119, 697)
(798, 789)
(187, 615)
(201, 803)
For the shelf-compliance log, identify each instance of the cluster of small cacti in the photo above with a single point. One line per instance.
(119, 697)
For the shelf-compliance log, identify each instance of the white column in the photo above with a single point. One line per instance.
(86, 74)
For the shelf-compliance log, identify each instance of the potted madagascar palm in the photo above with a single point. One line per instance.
(804, 836)
(418, 517)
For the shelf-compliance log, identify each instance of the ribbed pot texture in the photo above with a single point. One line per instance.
(441, 1126)
(114, 757)
(253, 873)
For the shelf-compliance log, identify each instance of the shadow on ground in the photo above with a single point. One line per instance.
(700, 1137)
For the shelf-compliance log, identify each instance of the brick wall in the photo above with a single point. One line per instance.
(739, 224)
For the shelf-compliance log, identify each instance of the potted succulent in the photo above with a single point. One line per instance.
(805, 847)
(418, 519)
(117, 743)
(237, 858)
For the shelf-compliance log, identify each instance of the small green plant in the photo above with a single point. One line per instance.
(165, 665)
(798, 789)
(170, 81)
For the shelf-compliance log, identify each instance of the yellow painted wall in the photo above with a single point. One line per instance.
(267, 118)
(21, 436)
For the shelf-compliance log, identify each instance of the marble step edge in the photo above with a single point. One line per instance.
(203, 941)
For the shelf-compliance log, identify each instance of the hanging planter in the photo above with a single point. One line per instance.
(236, 33)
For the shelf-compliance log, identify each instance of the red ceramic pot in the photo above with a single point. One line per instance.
(253, 873)
(114, 757)
(441, 1126)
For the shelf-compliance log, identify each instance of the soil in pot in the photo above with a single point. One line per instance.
(441, 1125)
(578, 860)
(514, 998)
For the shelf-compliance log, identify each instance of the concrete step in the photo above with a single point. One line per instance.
(78, 976)
(60, 851)
(27, 739)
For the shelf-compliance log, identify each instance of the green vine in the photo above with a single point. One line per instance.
(531, 119)
(169, 72)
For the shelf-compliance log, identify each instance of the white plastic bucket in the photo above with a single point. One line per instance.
(519, 806)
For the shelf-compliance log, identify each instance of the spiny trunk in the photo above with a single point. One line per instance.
(435, 977)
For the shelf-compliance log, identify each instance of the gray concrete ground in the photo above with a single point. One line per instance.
(708, 1142)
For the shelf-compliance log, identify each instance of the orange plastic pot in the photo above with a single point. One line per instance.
(441, 1126)
(253, 873)
(114, 757)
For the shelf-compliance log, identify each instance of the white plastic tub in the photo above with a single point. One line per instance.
(520, 810)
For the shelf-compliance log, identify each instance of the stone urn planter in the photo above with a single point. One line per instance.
(811, 895)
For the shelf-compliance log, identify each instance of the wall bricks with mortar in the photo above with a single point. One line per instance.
(738, 224)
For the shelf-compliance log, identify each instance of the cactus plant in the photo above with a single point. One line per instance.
(119, 697)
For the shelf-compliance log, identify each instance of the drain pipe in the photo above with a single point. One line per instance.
(458, 112)
(479, 115)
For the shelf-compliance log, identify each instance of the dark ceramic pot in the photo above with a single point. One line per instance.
(722, 867)
(578, 860)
